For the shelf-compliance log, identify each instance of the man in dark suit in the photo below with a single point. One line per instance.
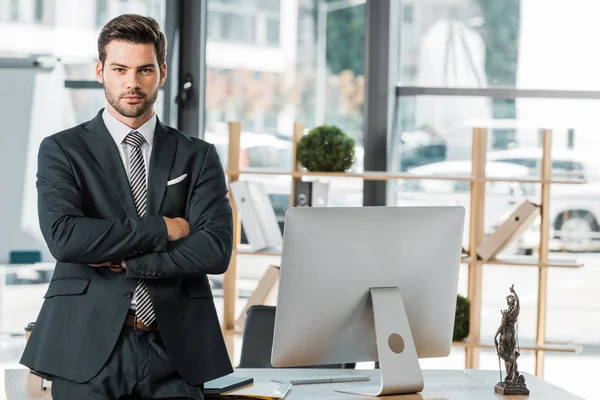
(136, 214)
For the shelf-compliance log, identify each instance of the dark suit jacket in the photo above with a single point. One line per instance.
(87, 215)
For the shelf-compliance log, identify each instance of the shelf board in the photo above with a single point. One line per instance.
(550, 347)
(533, 180)
(260, 171)
(247, 251)
(386, 176)
(525, 261)
(232, 332)
(367, 175)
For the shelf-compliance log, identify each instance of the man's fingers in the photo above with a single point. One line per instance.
(104, 264)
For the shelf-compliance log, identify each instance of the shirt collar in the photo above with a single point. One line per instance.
(119, 130)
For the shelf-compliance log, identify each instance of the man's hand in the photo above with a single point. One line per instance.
(117, 266)
(177, 228)
(104, 264)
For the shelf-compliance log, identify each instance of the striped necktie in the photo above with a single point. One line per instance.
(137, 180)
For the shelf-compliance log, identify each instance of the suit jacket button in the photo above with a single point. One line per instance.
(159, 273)
(127, 295)
(153, 273)
(146, 272)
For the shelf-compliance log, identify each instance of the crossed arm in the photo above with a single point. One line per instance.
(174, 246)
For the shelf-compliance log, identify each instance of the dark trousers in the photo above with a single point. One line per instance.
(139, 368)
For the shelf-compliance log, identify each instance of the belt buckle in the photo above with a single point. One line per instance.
(135, 321)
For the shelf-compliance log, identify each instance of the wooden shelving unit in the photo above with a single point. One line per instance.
(478, 181)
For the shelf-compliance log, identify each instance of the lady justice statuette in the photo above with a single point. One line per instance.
(507, 347)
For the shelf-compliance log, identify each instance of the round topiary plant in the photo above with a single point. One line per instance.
(326, 149)
(461, 319)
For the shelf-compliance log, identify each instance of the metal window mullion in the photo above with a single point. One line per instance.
(172, 32)
(377, 89)
(192, 62)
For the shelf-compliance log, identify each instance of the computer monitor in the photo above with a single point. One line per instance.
(368, 284)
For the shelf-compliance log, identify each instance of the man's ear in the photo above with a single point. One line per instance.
(99, 70)
(163, 74)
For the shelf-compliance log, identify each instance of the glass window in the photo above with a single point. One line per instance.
(500, 188)
(101, 11)
(250, 22)
(529, 163)
(484, 44)
(462, 186)
(408, 16)
(567, 169)
(273, 32)
(14, 10)
(68, 33)
(39, 11)
(268, 83)
(232, 27)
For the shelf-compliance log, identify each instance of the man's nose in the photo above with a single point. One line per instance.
(132, 80)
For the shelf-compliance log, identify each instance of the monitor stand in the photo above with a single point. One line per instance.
(398, 362)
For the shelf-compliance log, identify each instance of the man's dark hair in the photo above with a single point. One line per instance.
(133, 28)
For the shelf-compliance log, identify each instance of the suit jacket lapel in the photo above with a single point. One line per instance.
(161, 161)
(104, 149)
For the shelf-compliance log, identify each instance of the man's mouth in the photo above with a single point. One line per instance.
(133, 99)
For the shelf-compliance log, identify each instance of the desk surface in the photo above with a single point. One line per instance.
(439, 385)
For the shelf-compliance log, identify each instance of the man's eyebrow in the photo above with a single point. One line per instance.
(125, 66)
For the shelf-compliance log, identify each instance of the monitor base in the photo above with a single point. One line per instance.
(398, 362)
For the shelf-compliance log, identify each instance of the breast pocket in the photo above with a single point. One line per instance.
(177, 187)
(67, 287)
(175, 201)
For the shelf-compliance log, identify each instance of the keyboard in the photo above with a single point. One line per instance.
(307, 380)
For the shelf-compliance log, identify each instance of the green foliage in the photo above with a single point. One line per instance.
(461, 319)
(326, 148)
(345, 38)
(500, 31)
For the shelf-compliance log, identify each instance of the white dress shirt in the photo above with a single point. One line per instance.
(119, 131)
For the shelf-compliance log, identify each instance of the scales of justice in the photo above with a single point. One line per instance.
(507, 347)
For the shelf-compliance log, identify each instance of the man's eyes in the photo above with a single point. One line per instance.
(144, 70)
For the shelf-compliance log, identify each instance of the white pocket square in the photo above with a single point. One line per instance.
(176, 180)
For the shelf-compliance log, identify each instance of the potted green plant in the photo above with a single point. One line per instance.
(326, 148)
(461, 319)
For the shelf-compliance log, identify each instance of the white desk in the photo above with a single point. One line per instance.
(439, 385)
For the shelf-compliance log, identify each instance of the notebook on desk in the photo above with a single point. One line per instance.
(258, 390)
(226, 384)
